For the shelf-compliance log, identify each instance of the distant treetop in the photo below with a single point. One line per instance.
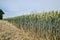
(1, 11)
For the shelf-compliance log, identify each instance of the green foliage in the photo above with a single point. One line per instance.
(1, 14)
(47, 23)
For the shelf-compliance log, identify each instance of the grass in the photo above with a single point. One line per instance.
(9, 32)
(44, 25)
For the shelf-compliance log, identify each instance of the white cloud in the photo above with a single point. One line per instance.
(25, 6)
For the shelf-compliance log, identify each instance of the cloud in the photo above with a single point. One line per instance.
(20, 7)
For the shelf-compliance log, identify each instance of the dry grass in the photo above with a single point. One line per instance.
(10, 32)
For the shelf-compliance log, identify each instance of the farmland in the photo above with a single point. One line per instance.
(45, 25)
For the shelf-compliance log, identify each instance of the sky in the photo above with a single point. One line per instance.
(14, 8)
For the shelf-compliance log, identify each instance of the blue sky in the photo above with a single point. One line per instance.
(21, 7)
